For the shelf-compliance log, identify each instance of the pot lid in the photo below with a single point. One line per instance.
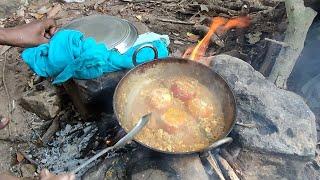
(112, 31)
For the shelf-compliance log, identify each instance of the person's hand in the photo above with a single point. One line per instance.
(4, 121)
(32, 34)
(46, 175)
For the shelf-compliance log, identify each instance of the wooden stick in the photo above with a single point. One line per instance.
(54, 127)
(7, 92)
(29, 159)
(14, 140)
(202, 30)
(218, 9)
(226, 155)
(245, 125)
(277, 42)
(176, 21)
(214, 164)
(227, 168)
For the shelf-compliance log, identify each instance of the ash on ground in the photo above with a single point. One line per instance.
(67, 150)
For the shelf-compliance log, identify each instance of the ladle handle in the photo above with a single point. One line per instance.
(134, 56)
(142, 122)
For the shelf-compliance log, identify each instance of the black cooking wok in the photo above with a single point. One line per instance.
(139, 77)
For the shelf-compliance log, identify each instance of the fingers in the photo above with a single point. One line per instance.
(47, 35)
(43, 39)
(46, 175)
(70, 177)
(49, 23)
(50, 27)
(53, 30)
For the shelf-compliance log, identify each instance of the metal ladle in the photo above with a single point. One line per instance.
(142, 122)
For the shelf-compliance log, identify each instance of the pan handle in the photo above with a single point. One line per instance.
(226, 140)
(219, 143)
(206, 152)
(134, 56)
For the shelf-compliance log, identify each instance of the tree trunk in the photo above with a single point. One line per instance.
(300, 19)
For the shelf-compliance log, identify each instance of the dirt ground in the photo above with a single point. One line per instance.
(25, 128)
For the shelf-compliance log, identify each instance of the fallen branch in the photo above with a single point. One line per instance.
(14, 140)
(300, 19)
(226, 168)
(203, 30)
(214, 164)
(237, 5)
(245, 125)
(225, 154)
(217, 8)
(7, 92)
(175, 21)
(26, 156)
(54, 127)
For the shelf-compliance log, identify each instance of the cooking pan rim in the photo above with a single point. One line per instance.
(171, 60)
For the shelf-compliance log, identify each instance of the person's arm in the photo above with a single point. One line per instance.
(3, 36)
(28, 35)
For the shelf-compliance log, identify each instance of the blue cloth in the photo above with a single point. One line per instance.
(71, 55)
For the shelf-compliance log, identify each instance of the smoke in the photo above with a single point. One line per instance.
(306, 73)
(305, 78)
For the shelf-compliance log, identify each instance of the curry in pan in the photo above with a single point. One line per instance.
(186, 116)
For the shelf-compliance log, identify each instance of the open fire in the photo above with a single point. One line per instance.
(219, 26)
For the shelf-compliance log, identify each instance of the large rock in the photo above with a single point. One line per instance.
(283, 123)
(256, 166)
(43, 100)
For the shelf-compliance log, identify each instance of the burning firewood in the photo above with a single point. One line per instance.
(226, 168)
(230, 159)
(202, 30)
(219, 25)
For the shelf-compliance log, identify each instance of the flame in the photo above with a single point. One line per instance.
(202, 46)
(240, 22)
(221, 25)
(188, 52)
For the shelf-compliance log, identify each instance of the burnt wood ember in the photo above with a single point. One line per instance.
(267, 19)
(203, 30)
